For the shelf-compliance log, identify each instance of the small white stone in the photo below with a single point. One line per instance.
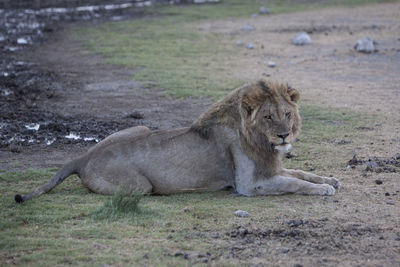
(250, 46)
(365, 45)
(264, 10)
(73, 136)
(301, 38)
(271, 64)
(348, 168)
(242, 213)
(239, 43)
(22, 41)
(247, 28)
(33, 126)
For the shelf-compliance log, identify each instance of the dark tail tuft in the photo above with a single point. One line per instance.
(18, 198)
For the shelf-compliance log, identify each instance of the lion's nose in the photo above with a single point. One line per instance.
(283, 136)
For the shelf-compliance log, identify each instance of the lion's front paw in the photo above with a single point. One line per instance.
(326, 190)
(334, 182)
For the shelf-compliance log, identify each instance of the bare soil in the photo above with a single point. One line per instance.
(364, 226)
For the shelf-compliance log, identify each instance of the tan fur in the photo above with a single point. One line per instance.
(236, 143)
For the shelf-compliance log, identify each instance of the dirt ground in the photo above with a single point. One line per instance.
(364, 228)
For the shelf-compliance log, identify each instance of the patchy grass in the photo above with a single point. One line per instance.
(325, 133)
(173, 55)
(120, 205)
(58, 228)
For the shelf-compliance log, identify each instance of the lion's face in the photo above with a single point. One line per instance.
(270, 117)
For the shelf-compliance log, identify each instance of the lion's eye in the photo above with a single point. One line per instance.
(288, 115)
(268, 117)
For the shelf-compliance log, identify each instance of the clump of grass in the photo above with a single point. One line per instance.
(120, 205)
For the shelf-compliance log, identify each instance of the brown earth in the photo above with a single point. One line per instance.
(363, 228)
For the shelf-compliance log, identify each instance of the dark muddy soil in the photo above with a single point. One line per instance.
(376, 164)
(46, 104)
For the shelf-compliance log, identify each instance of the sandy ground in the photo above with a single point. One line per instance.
(363, 228)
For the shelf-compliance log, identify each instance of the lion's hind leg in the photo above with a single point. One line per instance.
(312, 178)
(112, 181)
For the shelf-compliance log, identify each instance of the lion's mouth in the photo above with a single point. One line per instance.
(284, 147)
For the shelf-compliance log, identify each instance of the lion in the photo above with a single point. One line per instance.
(237, 143)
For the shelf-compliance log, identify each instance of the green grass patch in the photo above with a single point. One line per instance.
(326, 136)
(120, 205)
(171, 54)
(59, 228)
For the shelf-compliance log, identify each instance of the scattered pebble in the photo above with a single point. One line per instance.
(250, 46)
(295, 223)
(33, 126)
(239, 43)
(344, 142)
(271, 64)
(179, 253)
(242, 213)
(135, 114)
(387, 194)
(390, 202)
(247, 28)
(365, 45)
(215, 235)
(301, 38)
(264, 10)
(348, 168)
(205, 1)
(22, 41)
(378, 181)
(372, 164)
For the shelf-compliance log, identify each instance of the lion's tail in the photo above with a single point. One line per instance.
(67, 170)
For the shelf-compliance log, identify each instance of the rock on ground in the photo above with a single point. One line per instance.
(365, 45)
(264, 10)
(301, 38)
(242, 213)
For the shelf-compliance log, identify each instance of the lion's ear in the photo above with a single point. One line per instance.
(293, 94)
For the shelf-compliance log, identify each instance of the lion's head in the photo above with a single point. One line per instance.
(269, 115)
(265, 113)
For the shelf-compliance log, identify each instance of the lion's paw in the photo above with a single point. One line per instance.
(335, 183)
(326, 190)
